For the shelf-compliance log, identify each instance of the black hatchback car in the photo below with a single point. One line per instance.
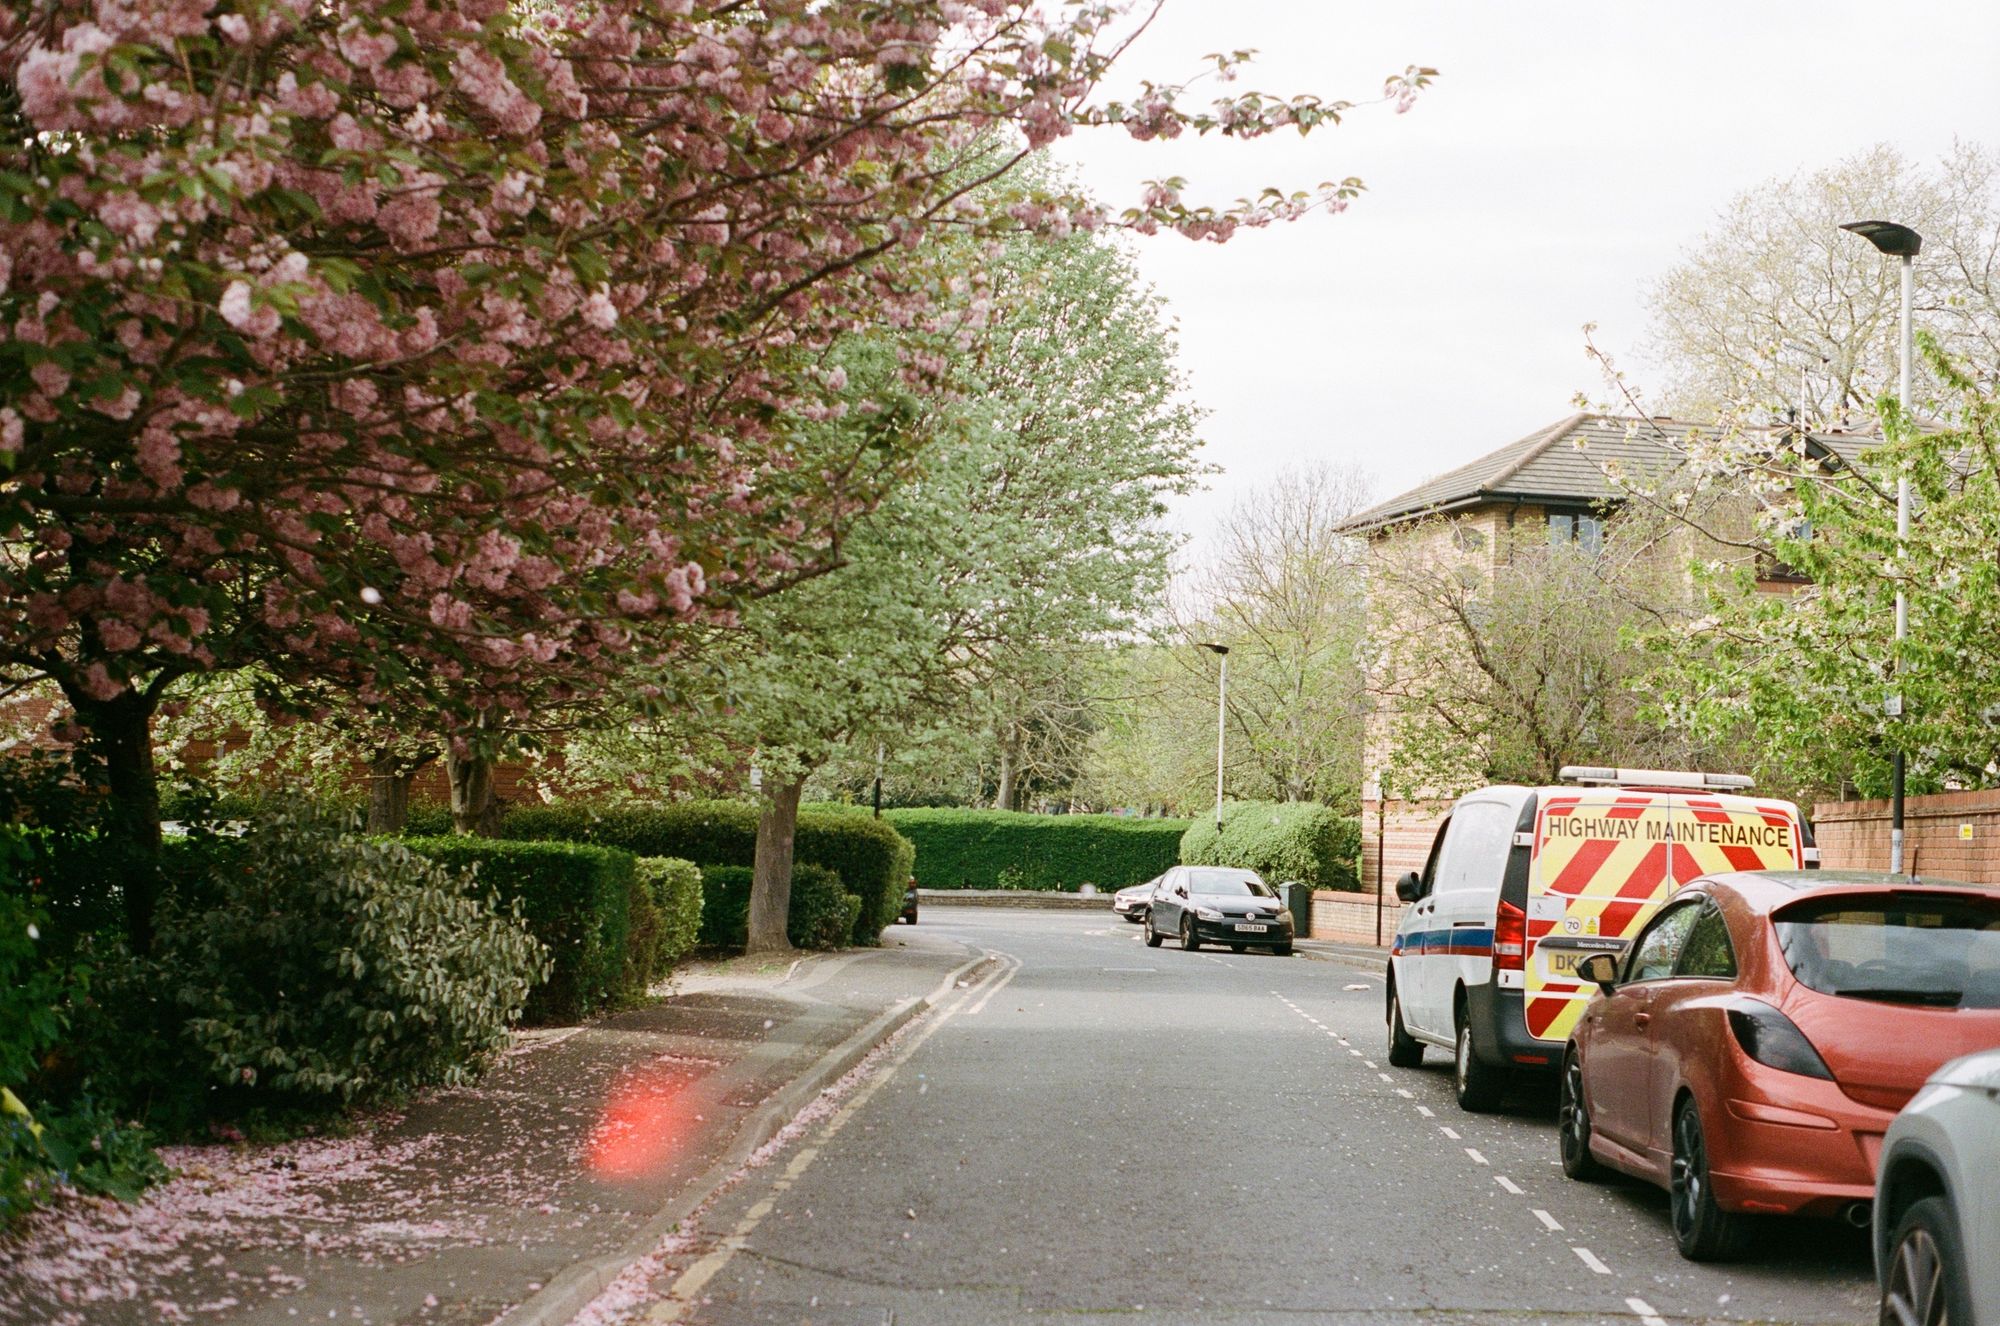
(1218, 905)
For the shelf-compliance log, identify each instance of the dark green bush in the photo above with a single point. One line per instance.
(822, 913)
(575, 899)
(1280, 840)
(993, 849)
(675, 886)
(872, 859)
(311, 968)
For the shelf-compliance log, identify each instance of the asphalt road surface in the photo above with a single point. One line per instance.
(1101, 1131)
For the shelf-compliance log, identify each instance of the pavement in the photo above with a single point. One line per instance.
(512, 1202)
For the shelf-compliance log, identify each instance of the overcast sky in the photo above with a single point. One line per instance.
(1568, 152)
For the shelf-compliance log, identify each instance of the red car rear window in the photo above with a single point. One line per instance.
(1941, 952)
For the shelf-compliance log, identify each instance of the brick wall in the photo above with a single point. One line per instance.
(1955, 835)
(1399, 835)
(1349, 918)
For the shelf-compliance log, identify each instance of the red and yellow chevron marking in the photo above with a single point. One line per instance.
(1610, 857)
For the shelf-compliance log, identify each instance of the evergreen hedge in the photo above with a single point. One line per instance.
(822, 913)
(579, 900)
(994, 849)
(1280, 840)
(871, 858)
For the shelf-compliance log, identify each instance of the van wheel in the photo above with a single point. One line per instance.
(1405, 1050)
(1480, 1085)
(1573, 1124)
(1703, 1231)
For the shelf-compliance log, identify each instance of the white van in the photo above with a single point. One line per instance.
(1523, 883)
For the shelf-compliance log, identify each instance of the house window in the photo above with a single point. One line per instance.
(1576, 527)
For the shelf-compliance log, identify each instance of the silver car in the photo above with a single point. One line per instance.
(1937, 1206)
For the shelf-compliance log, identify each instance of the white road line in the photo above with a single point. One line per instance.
(1547, 1220)
(1385, 1077)
(1408, 1095)
(1355, 1053)
(1509, 1185)
(1369, 1062)
(1451, 1133)
(1477, 1159)
(1424, 1110)
(998, 986)
(1645, 1312)
(1590, 1259)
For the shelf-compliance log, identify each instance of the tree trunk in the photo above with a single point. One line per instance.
(771, 875)
(1009, 773)
(475, 810)
(389, 777)
(121, 735)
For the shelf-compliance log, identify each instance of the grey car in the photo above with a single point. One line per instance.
(1937, 1207)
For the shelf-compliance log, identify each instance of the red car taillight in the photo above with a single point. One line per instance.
(1510, 938)
(1770, 1037)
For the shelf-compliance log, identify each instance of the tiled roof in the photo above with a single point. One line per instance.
(1561, 463)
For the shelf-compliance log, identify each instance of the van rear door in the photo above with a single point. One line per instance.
(1606, 857)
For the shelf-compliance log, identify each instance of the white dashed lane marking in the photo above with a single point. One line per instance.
(1645, 1312)
(1424, 1110)
(1548, 1220)
(1477, 1159)
(1590, 1259)
(1509, 1185)
(1453, 1135)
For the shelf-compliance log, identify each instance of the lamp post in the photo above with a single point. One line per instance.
(1898, 241)
(1221, 713)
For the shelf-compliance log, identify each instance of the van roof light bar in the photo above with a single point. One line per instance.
(1591, 775)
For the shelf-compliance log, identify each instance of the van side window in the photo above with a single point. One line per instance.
(1482, 832)
(1660, 946)
(1430, 874)
(1708, 951)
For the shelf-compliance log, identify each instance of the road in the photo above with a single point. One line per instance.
(1104, 1131)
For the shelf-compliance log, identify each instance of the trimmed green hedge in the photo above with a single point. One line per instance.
(871, 858)
(675, 887)
(1280, 840)
(822, 913)
(993, 849)
(577, 899)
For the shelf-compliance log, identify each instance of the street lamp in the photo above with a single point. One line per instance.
(1221, 711)
(1898, 241)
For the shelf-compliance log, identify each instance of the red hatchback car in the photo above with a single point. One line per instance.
(1750, 1049)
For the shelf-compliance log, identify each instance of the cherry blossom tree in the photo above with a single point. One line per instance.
(423, 345)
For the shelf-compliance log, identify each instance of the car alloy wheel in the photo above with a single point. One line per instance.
(1153, 936)
(1703, 1231)
(1573, 1123)
(1926, 1284)
(1188, 941)
(1405, 1050)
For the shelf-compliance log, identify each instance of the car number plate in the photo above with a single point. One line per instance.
(1259, 929)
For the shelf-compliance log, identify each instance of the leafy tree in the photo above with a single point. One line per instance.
(1807, 677)
(1504, 668)
(416, 346)
(1775, 289)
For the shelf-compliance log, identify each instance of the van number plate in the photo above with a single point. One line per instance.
(1258, 929)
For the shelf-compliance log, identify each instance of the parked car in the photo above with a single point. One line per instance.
(1751, 1050)
(1132, 903)
(909, 912)
(1937, 1208)
(1523, 883)
(1218, 905)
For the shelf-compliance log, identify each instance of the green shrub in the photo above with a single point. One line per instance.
(1293, 840)
(994, 849)
(871, 858)
(822, 913)
(576, 900)
(675, 886)
(310, 967)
